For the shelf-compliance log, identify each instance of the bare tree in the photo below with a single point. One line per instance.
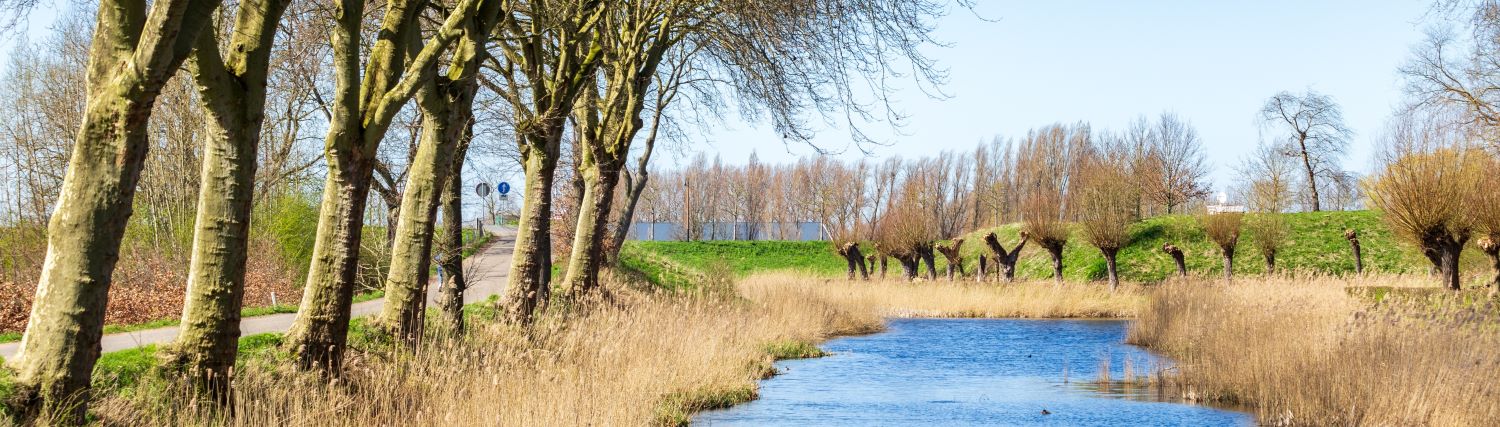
(1266, 177)
(548, 52)
(1224, 230)
(136, 48)
(1457, 67)
(233, 91)
(447, 104)
(362, 110)
(1311, 128)
(1426, 190)
(1045, 165)
(1107, 206)
(1173, 168)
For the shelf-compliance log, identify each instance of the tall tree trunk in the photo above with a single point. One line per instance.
(1109, 263)
(234, 99)
(587, 255)
(531, 262)
(318, 335)
(635, 185)
(1312, 176)
(447, 106)
(406, 283)
(362, 113)
(451, 290)
(132, 55)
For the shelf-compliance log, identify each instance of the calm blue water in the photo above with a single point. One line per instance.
(968, 372)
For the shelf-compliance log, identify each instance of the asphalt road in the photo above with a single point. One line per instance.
(486, 272)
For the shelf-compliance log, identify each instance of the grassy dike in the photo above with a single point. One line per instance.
(1315, 246)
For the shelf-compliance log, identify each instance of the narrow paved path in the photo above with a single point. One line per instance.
(486, 272)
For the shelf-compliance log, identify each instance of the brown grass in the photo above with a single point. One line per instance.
(893, 298)
(647, 358)
(1305, 352)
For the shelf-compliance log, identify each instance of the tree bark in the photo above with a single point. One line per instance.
(925, 255)
(854, 260)
(1490, 245)
(1110, 253)
(1359, 261)
(362, 113)
(1270, 262)
(1177, 258)
(1447, 250)
(1312, 177)
(530, 263)
(234, 100)
(1006, 260)
(952, 255)
(132, 55)
(1228, 263)
(404, 311)
(983, 267)
(635, 185)
(910, 265)
(1055, 250)
(451, 290)
(447, 105)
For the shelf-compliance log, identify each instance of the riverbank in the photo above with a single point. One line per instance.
(649, 356)
(1298, 351)
(1311, 352)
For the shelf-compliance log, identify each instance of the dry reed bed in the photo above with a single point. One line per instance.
(647, 358)
(1304, 352)
(941, 298)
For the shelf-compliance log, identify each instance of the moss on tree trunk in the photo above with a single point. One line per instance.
(234, 99)
(132, 55)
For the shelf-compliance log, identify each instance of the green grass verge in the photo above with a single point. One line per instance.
(679, 265)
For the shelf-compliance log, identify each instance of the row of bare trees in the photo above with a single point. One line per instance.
(254, 78)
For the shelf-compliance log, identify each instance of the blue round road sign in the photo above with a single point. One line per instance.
(503, 188)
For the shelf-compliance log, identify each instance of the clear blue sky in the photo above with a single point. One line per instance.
(1106, 62)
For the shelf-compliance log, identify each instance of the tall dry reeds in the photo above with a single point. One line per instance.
(1305, 352)
(891, 298)
(644, 358)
